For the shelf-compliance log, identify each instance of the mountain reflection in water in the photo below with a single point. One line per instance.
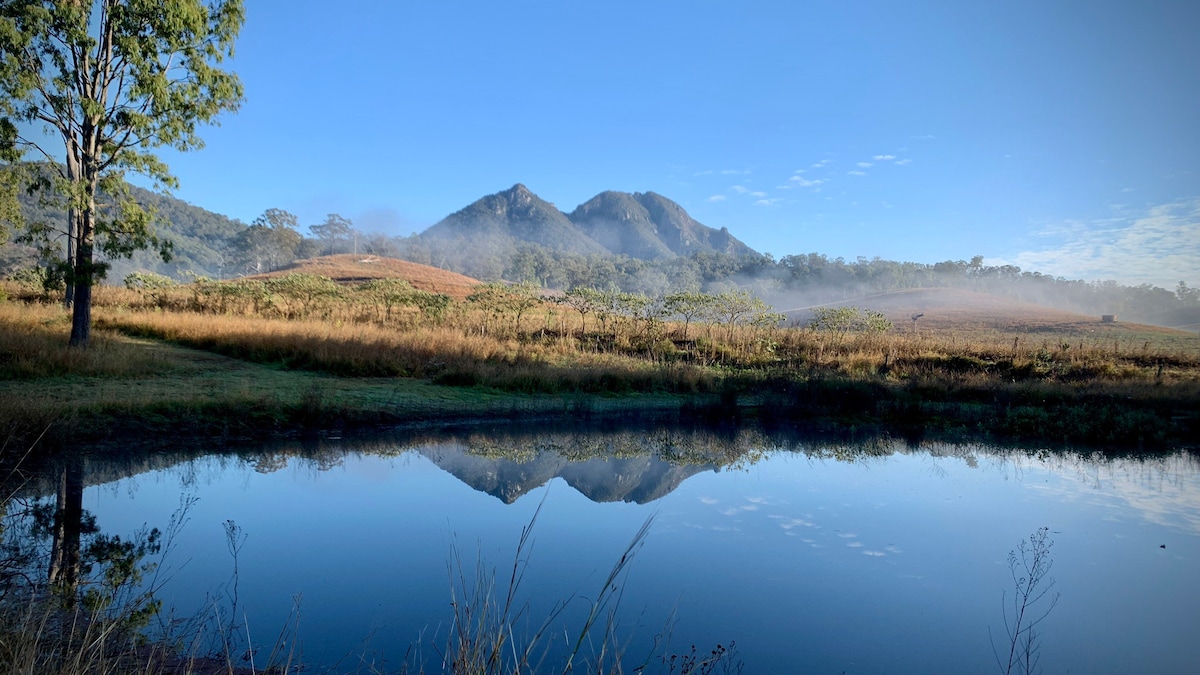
(813, 554)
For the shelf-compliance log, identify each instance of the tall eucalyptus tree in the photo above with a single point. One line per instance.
(93, 86)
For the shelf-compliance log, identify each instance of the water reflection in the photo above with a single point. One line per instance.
(813, 553)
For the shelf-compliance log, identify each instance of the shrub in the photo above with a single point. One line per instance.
(842, 320)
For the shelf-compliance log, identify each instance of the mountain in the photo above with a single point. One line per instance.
(515, 215)
(641, 225)
(649, 226)
(619, 222)
(639, 479)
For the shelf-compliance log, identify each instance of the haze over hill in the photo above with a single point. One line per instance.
(952, 309)
(645, 226)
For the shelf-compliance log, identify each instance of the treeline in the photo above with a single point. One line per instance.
(217, 247)
(795, 281)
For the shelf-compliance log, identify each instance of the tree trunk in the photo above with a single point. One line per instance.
(85, 275)
(72, 231)
(68, 524)
(81, 316)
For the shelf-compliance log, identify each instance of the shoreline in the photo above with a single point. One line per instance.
(216, 380)
(843, 409)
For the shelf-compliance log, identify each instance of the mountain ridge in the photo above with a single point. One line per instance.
(641, 225)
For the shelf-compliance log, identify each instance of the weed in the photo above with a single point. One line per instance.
(1029, 566)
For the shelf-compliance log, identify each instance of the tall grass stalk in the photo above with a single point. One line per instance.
(484, 639)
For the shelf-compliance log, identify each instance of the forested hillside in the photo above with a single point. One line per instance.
(199, 237)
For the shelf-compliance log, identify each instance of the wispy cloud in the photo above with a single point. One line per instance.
(722, 172)
(789, 523)
(865, 165)
(758, 194)
(883, 158)
(717, 198)
(819, 164)
(740, 189)
(903, 162)
(1159, 246)
(856, 173)
(801, 181)
(767, 202)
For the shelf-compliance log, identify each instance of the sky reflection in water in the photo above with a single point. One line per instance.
(884, 563)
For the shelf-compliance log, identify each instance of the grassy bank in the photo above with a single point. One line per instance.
(245, 375)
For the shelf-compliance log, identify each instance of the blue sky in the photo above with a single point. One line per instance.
(1063, 137)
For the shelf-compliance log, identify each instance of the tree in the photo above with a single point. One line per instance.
(334, 229)
(269, 243)
(1189, 297)
(688, 306)
(498, 299)
(842, 320)
(111, 80)
(585, 301)
(10, 206)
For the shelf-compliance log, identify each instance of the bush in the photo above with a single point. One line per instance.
(842, 320)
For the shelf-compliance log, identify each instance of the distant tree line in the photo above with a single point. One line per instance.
(211, 245)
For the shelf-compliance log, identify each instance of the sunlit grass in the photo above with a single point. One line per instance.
(158, 358)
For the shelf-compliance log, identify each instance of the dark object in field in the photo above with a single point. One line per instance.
(1108, 318)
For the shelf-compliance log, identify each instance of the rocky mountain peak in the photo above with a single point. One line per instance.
(519, 195)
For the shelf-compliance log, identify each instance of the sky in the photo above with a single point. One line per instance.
(1060, 136)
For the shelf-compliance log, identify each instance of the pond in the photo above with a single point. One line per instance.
(806, 555)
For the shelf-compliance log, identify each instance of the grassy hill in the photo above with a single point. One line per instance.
(348, 268)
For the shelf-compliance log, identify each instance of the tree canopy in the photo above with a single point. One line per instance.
(92, 86)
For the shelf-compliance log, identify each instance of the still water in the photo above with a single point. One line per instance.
(810, 556)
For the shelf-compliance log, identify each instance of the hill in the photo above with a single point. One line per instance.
(199, 236)
(348, 268)
(963, 312)
(1185, 318)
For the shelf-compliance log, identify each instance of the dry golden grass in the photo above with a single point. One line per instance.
(445, 354)
(33, 343)
(1012, 381)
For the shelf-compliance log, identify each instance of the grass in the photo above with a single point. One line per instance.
(246, 374)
